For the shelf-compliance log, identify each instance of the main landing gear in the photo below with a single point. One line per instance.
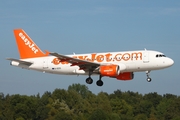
(89, 80)
(99, 82)
(148, 78)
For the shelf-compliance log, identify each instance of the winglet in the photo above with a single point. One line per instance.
(27, 48)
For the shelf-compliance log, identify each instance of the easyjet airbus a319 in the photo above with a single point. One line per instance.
(119, 65)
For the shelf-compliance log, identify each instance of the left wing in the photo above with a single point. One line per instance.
(83, 64)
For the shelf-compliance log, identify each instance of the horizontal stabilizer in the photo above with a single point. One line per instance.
(20, 61)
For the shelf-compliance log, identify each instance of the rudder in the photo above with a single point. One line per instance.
(27, 48)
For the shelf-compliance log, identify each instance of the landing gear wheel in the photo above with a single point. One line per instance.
(89, 80)
(99, 83)
(149, 79)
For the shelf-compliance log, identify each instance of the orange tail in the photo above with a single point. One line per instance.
(27, 48)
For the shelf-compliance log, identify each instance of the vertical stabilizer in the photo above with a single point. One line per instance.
(27, 48)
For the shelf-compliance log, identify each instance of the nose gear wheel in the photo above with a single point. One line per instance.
(148, 78)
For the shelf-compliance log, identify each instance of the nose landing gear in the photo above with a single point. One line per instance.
(148, 78)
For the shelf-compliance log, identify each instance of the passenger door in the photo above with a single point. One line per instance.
(146, 57)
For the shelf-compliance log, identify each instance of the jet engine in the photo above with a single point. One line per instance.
(125, 76)
(109, 70)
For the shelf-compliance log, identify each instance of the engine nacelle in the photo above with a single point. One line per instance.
(125, 76)
(109, 70)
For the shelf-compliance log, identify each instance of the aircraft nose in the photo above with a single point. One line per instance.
(169, 62)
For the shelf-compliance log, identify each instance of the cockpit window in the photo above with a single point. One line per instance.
(160, 55)
(163, 56)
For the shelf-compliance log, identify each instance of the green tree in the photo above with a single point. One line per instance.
(121, 108)
(99, 114)
(102, 102)
(81, 89)
(114, 116)
(154, 98)
(141, 117)
(78, 103)
(42, 106)
(63, 116)
(162, 109)
(152, 114)
(24, 106)
(6, 110)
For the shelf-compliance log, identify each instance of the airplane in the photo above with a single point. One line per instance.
(119, 65)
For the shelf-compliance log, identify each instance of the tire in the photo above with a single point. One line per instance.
(99, 83)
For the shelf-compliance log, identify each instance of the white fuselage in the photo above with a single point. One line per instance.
(131, 61)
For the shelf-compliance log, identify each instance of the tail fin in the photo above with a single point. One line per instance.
(27, 48)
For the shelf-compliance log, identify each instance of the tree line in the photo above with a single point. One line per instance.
(79, 103)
